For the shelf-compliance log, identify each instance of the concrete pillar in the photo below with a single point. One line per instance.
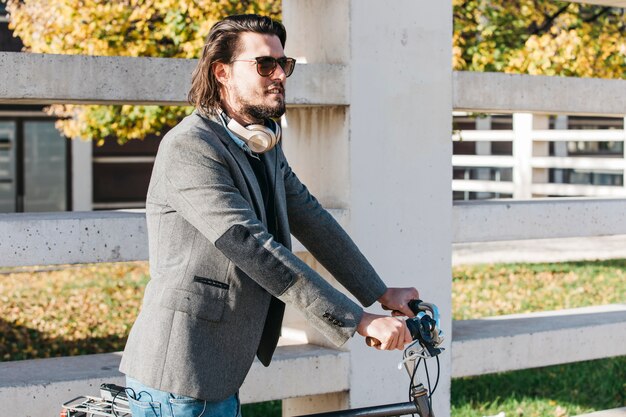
(540, 175)
(483, 148)
(318, 31)
(82, 175)
(386, 159)
(522, 154)
(316, 144)
(560, 147)
(400, 170)
(624, 154)
(315, 404)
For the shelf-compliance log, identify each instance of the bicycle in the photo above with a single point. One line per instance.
(427, 338)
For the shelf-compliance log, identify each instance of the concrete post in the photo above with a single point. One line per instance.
(560, 147)
(400, 170)
(483, 148)
(82, 175)
(624, 154)
(394, 144)
(522, 154)
(316, 143)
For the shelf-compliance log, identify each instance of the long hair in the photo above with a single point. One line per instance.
(222, 45)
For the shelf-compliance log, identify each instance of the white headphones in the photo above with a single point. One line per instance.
(259, 138)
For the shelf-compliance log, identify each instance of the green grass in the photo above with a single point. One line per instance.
(265, 409)
(76, 310)
(562, 390)
(554, 391)
(493, 290)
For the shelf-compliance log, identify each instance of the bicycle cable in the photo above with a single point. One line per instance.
(125, 391)
(430, 401)
(431, 388)
(436, 380)
(411, 378)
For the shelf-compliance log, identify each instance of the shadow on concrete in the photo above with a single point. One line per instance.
(18, 342)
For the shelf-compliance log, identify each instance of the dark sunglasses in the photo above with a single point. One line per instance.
(266, 65)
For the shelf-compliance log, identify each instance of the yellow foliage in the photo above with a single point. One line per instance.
(170, 28)
(522, 36)
(572, 53)
(159, 28)
(70, 311)
(540, 37)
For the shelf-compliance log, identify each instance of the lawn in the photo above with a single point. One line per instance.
(554, 391)
(83, 309)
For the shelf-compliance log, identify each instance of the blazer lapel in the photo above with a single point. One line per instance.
(244, 165)
(276, 181)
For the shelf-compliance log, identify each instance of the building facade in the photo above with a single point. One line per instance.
(38, 167)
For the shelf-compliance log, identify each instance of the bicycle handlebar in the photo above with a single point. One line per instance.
(424, 327)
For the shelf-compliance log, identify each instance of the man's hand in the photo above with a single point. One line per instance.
(391, 332)
(397, 299)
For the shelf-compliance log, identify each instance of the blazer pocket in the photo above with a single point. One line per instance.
(211, 282)
(208, 306)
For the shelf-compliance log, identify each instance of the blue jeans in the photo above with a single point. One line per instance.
(149, 402)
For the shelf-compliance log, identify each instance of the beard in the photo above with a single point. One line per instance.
(260, 111)
(264, 112)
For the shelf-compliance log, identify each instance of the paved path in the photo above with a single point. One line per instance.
(541, 250)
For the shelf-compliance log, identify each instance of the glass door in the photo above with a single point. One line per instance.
(45, 167)
(8, 190)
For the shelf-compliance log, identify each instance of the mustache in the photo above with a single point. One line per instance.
(279, 86)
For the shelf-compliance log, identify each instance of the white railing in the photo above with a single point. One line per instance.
(538, 165)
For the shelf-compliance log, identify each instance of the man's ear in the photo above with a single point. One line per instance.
(222, 72)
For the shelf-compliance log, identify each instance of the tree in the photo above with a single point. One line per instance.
(163, 28)
(539, 37)
(516, 36)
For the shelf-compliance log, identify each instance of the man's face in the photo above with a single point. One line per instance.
(249, 95)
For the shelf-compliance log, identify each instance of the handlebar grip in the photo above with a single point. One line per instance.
(372, 341)
(414, 305)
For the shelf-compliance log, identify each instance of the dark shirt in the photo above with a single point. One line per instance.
(259, 166)
(271, 328)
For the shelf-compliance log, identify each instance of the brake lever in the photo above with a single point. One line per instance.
(424, 327)
(398, 312)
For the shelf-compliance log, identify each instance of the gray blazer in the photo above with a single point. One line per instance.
(219, 279)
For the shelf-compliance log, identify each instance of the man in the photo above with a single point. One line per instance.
(221, 206)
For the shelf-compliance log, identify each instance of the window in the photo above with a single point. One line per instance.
(7, 167)
(34, 166)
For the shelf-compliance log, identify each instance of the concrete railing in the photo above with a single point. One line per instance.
(493, 344)
(478, 346)
(38, 387)
(521, 341)
(511, 93)
(130, 81)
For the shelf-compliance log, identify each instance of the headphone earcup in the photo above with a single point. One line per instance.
(259, 138)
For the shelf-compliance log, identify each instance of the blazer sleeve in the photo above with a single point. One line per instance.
(328, 242)
(201, 188)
